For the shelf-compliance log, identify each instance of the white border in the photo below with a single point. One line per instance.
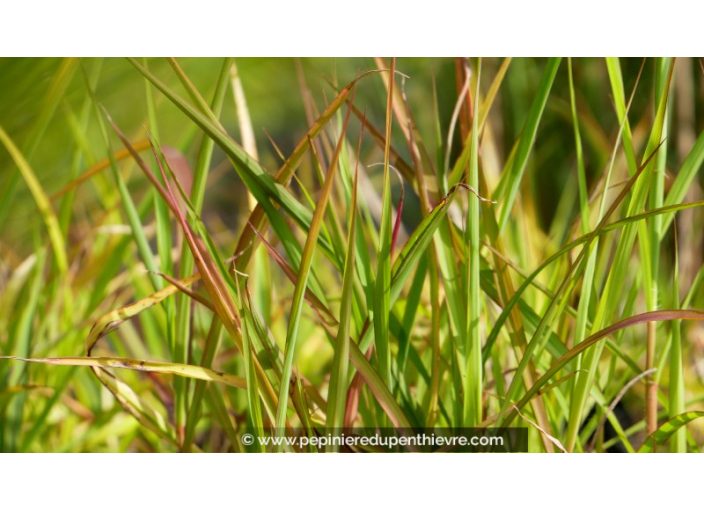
(427, 481)
(359, 27)
(339, 29)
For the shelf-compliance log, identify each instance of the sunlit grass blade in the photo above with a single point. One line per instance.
(584, 307)
(474, 373)
(616, 277)
(547, 317)
(262, 185)
(143, 412)
(337, 391)
(366, 372)
(432, 399)
(43, 203)
(210, 266)
(261, 284)
(512, 178)
(12, 415)
(686, 175)
(667, 429)
(183, 304)
(110, 321)
(302, 281)
(255, 411)
(617, 89)
(656, 316)
(516, 297)
(383, 254)
(180, 369)
(650, 242)
(676, 406)
(460, 166)
(179, 350)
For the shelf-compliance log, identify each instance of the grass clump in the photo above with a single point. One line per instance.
(441, 244)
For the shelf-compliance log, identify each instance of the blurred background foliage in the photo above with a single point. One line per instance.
(272, 88)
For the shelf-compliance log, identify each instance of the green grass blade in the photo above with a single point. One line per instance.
(667, 429)
(515, 174)
(163, 243)
(40, 197)
(337, 391)
(12, 417)
(382, 281)
(138, 234)
(473, 390)
(180, 369)
(301, 283)
(551, 311)
(686, 175)
(56, 91)
(254, 407)
(211, 346)
(183, 303)
(657, 316)
(462, 162)
(380, 391)
(615, 280)
(678, 444)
